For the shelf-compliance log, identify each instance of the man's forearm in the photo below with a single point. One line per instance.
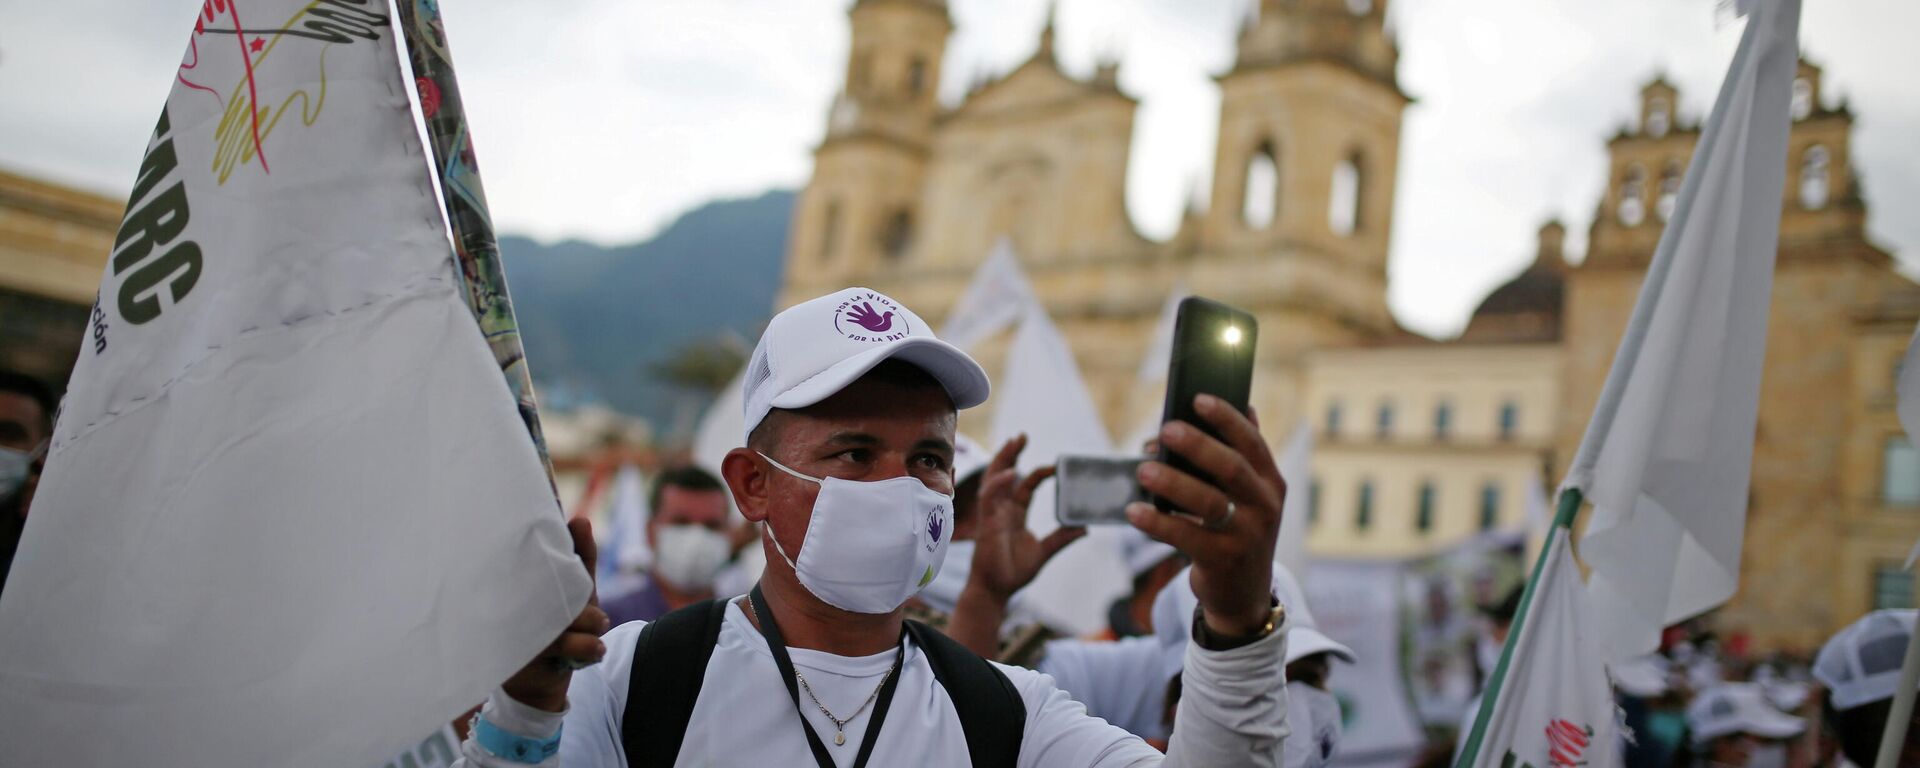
(1233, 706)
(976, 620)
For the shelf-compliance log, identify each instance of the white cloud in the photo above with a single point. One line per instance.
(604, 119)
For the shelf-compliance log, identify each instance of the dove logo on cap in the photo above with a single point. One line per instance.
(870, 317)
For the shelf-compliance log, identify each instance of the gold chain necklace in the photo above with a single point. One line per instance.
(839, 724)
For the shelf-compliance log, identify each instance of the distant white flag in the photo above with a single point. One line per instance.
(1907, 390)
(626, 553)
(994, 300)
(721, 426)
(1296, 468)
(1554, 706)
(1042, 395)
(1153, 368)
(1668, 455)
(291, 515)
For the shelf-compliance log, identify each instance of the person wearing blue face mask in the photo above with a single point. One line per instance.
(26, 423)
(850, 405)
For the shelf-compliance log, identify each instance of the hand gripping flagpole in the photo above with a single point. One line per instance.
(475, 249)
(1562, 526)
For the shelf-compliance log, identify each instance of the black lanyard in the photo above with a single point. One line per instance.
(778, 645)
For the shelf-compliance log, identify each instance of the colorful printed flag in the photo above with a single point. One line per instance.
(291, 513)
(1554, 706)
(1669, 452)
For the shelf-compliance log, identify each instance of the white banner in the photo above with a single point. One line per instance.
(291, 515)
(1668, 455)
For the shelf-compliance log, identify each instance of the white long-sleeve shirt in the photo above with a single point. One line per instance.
(1232, 712)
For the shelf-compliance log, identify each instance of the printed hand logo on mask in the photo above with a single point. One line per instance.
(870, 545)
(690, 556)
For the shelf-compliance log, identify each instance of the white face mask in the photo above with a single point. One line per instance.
(690, 556)
(13, 471)
(1314, 717)
(870, 545)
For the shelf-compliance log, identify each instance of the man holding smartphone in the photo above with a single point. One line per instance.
(850, 419)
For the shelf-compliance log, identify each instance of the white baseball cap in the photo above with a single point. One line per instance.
(1861, 664)
(816, 348)
(1730, 708)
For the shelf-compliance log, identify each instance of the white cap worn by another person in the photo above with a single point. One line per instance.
(1861, 664)
(969, 458)
(1731, 708)
(814, 349)
(1142, 552)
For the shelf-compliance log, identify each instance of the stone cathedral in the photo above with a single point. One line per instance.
(1419, 443)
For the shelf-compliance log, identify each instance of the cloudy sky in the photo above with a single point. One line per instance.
(604, 119)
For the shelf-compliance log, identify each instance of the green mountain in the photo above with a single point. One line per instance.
(600, 322)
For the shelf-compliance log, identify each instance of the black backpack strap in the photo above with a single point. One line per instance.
(992, 714)
(669, 664)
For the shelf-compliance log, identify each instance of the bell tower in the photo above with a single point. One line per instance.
(859, 211)
(1308, 149)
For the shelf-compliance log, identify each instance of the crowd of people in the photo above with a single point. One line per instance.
(872, 510)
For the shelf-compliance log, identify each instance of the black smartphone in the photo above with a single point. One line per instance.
(1095, 490)
(1212, 354)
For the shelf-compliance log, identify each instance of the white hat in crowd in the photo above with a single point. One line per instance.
(1643, 677)
(1173, 619)
(1730, 708)
(816, 348)
(969, 458)
(1142, 552)
(1861, 664)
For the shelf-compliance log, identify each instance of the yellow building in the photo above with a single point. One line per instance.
(54, 243)
(1420, 442)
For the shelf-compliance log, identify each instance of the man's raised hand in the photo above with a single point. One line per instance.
(542, 683)
(1006, 554)
(1232, 523)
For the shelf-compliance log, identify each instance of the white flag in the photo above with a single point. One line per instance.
(1554, 706)
(625, 554)
(721, 427)
(1667, 457)
(1907, 392)
(994, 300)
(1042, 395)
(1296, 463)
(291, 515)
(1153, 369)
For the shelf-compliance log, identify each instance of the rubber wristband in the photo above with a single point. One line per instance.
(516, 748)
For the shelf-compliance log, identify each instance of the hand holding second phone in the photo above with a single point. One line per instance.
(542, 683)
(1232, 523)
(1006, 554)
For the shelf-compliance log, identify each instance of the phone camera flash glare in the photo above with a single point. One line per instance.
(1231, 335)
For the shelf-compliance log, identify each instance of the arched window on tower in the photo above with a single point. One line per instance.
(1814, 185)
(1659, 117)
(1802, 104)
(897, 235)
(1669, 190)
(916, 76)
(1633, 196)
(1260, 201)
(1343, 199)
(830, 232)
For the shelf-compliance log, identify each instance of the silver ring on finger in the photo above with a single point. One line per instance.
(1221, 524)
